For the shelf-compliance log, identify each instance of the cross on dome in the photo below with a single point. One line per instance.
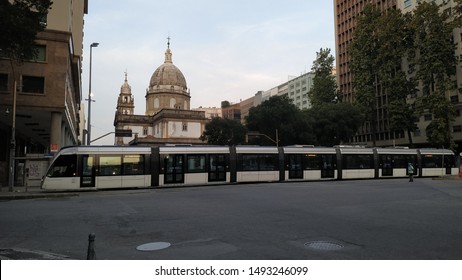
(168, 53)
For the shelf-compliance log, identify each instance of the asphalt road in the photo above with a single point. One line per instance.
(366, 219)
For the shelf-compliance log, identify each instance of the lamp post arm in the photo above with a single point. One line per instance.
(109, 133)
(262, 134)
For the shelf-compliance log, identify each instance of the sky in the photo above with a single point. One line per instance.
(226, 49)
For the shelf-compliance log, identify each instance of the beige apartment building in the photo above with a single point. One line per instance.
(48, 95)
(346, 11)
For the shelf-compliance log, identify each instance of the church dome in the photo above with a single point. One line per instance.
(168, 75)
(167, 88)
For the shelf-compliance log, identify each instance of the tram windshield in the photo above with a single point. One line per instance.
(64, 166)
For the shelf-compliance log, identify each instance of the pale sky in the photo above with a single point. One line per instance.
(226, 49)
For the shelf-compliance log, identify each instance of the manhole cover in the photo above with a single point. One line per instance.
(153, 246)
(324, 245)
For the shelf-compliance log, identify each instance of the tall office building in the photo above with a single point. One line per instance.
(346, 12)
(48, 95)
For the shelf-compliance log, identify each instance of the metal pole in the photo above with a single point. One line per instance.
(91, 254)
(13, 140)
(89, 97)
(277, 138)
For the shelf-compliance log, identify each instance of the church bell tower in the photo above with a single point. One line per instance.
(125, 103)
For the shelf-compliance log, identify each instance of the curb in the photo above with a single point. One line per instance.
(20, 195)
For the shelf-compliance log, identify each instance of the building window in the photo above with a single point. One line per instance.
(145, 131)
(185, 126)
(457, 128)
(41, 53)
(3, 82)
(32, 84)
(455, 99)
(407, 3)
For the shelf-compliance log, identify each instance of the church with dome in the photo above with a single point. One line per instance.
(167, 119)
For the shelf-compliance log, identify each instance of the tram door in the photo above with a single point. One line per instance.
(87, 179)
(387, 165)
(327, 166)
(295, 167)
(217, 168)
(174, 173)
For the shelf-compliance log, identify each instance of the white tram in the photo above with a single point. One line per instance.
(109, 167)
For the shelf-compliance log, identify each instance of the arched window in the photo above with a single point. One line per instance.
(172, 103)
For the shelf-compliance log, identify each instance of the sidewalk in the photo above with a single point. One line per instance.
(448, 177)
(31, 193)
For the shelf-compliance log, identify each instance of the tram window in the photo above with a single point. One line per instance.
(312, 162)
(432, 161)
(218, 162)
(133, 164)
(358, 162)
(110, 165)
(196, 163)
(250, 162)
(64, 166)
(436, 161)
(268, 162)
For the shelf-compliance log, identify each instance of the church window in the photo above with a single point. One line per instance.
(185, 126)
(125, 99)
(145, 131)
(172, 103)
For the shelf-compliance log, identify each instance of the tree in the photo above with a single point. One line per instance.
(436, 63)
(395, 40)
(221, 131)
(363, 51)
(324, 88)
(334, 123)
(279, 114)
(20, 21)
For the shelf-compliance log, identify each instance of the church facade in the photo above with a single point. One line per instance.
(167, 119)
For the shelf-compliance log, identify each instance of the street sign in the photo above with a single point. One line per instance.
(123, 133)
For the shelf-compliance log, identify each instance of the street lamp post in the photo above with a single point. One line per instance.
(93, 45)
(12, 142)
